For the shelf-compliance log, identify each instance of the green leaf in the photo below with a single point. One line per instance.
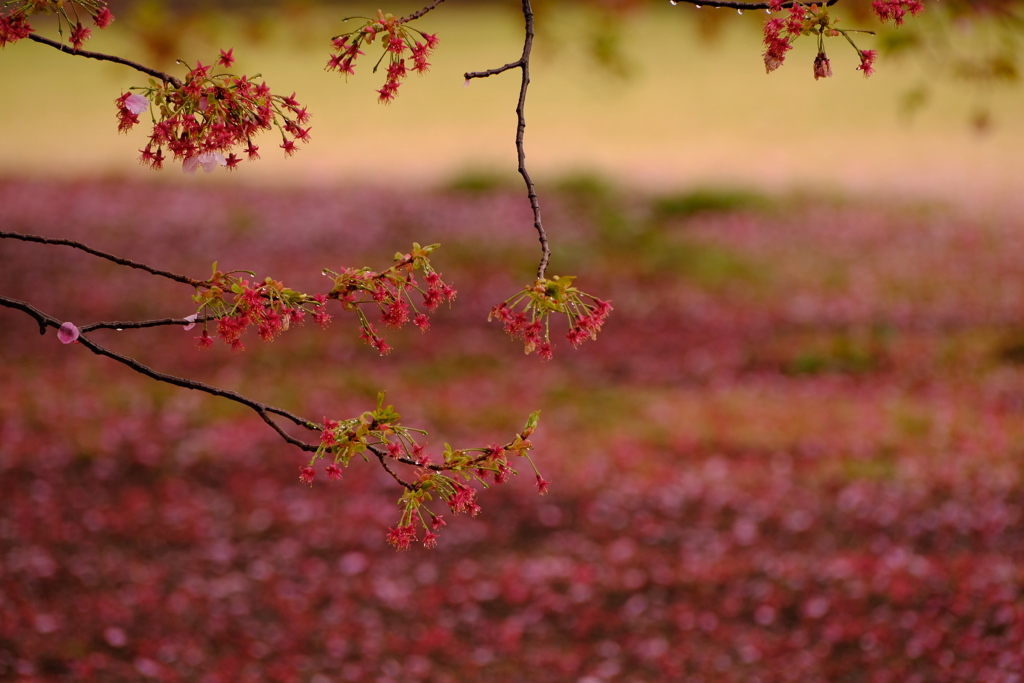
(531, 423)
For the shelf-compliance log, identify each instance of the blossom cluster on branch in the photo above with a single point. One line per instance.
(380, 433)
(391, 292)
(14, 25)
(804, 19)
(545, 296)
(204, 119)
(236, 303)
(399, 43)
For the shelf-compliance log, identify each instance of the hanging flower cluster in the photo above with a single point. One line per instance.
(541, 299)
(802, 19)
(379, 433)
(896, 9)
(14, 24)
(391, 291)
(204, 119)
(400, 42)
(236, 303)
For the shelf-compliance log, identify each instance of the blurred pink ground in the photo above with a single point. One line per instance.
(794, 454)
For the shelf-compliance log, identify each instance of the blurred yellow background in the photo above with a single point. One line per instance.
(690, 112)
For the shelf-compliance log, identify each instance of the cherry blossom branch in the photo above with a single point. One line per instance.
(262, 409)
(25, 307)
(102, 254)
(419, 13)
(272, 307)
(167, 78)
(523, 63)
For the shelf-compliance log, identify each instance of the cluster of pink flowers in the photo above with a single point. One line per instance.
(391, 291)
(404, 535)
(344, 439)
(204, 119)
(269, 306)
(236, 303)
(14, 25)
(541, 299)
(802, 19)
(867, 62)
(896, 9)
(399, 44)
(779, 33)
(379, 431)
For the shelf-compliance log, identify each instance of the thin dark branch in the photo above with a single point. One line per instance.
(419, 13)
(493, 72)
(262, 409)
(523, 63)
(381, 454)
(521, 150)
(26, 307)
(139, 324)
(106, 58)
(102, 254)
(729, 4)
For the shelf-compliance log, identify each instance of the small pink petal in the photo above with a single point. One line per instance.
(136, 103)
(211, 160)
(67, 333)
(191, 321)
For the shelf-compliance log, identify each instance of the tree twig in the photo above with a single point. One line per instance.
(28, 308)
(102, 254)
(262, 409)
(523, 63)
(381, 454)
(106, 58)
(419, 13)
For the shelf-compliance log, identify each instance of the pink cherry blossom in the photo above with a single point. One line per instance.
(67, 333)
(208, 160)
(136, 103)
